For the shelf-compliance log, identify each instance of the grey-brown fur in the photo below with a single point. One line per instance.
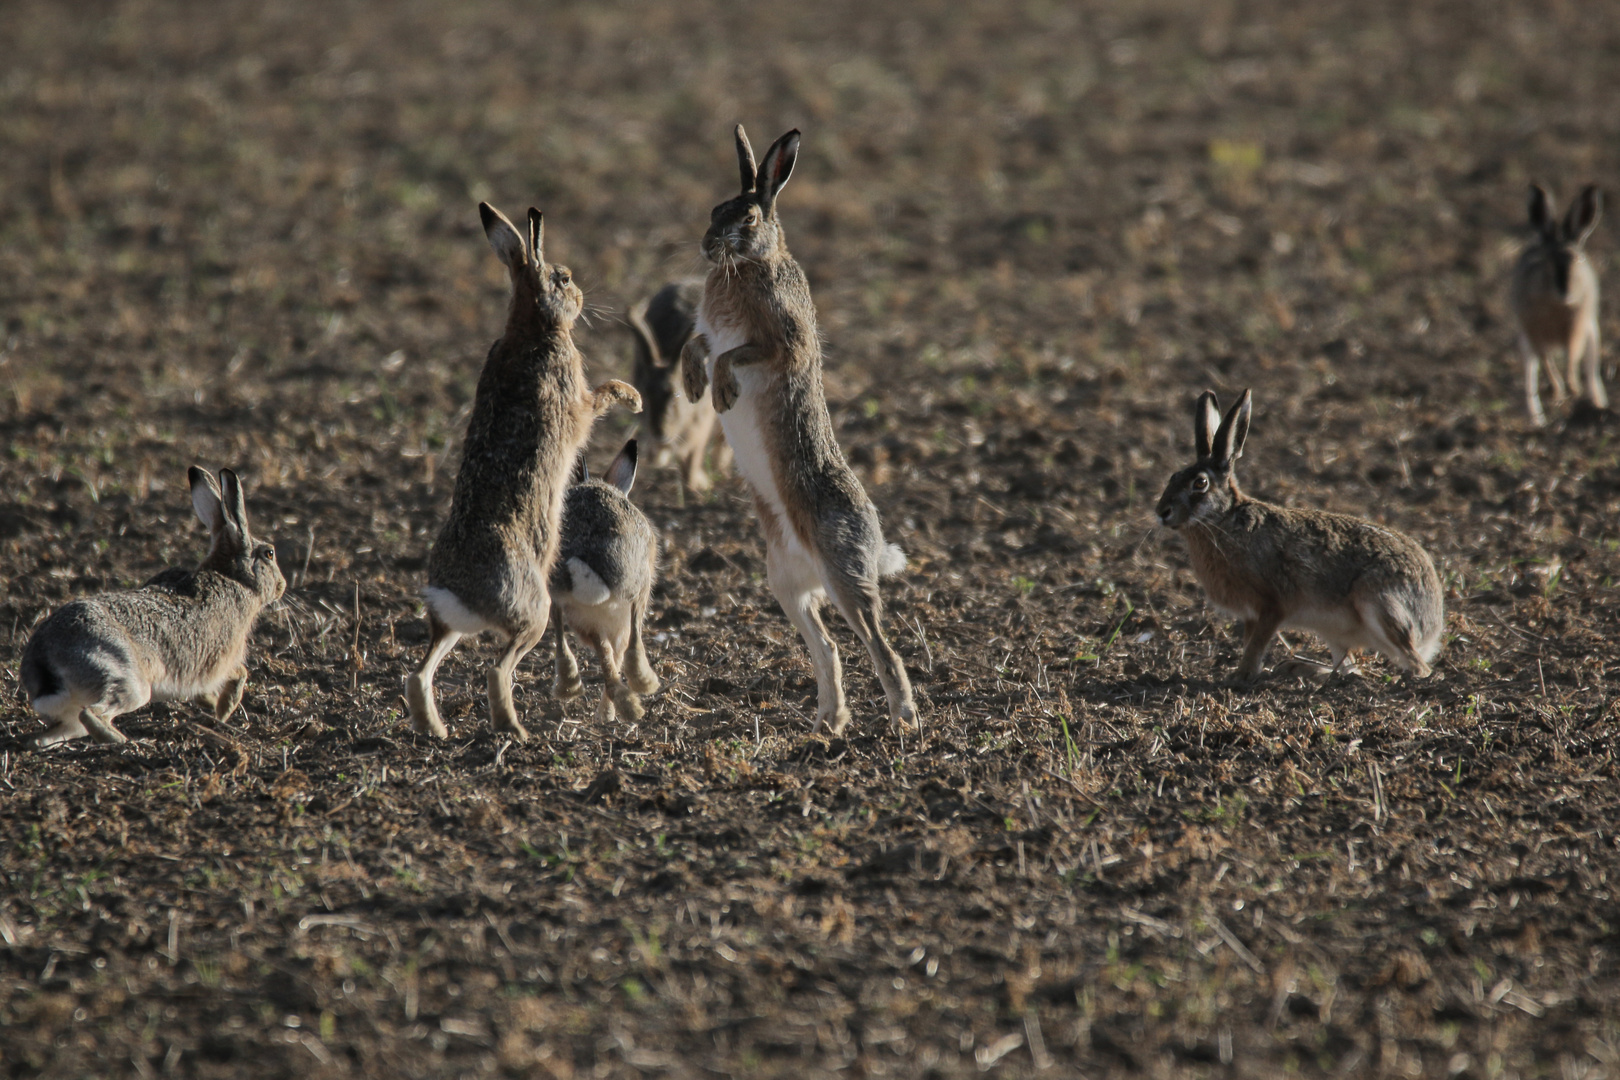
(602, 582)
(672, 428)
(181, 636)
(1354, 584)
(531, 415)
(1554, 296)
(757, 343)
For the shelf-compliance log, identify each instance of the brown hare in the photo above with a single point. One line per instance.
(757, 343)
(1354, 584)
(602, 583)
(532, 413)
(674, 430)
(1555, 300)
(182, 636)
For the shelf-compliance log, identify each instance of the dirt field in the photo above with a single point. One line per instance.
(246, 235)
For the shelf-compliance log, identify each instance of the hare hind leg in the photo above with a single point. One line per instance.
(637, 671)
(616, 696)
(1532, 380)
(503, 718)
(567, 685)
(794, 583)
(419, 687)
(862, 607)
(1586, 347)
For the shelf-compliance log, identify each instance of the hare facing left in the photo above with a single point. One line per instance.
(180, 637)
(531, 416)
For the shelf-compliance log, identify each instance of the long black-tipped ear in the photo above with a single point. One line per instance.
(503, 236)
(1541, 208)
(205, 501)
(1206, 417)
(647, 351)
(1583, 215)
(745, 160)
(622, 473)
(537, 238)
(234, 505)
(777, 167)
(1227, 445)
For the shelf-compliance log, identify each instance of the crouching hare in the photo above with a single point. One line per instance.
(181, 636)
(674, 430)
(1352, 583)
(602, 582)
(1555, 301)
(531, 415)
(757, 344)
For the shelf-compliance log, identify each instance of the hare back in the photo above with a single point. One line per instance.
(486, 586)
(604, 533)
(1258, 556)
(171, 642)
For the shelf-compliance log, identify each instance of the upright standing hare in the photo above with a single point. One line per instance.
(531, 415)
(756, 341)
(1354, 584)
(1555, 300)
(181, 636)
(602, 582)
(672, 427)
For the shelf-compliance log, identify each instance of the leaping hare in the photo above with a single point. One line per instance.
(181, 636)
(602, 583)
(757, 343)
(673, 428)
(531, 415)
(1354, 584)
(1555, 300)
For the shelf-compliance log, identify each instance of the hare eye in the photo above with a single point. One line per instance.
(1200, 482)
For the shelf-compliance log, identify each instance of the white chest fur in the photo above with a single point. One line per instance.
(743, 427)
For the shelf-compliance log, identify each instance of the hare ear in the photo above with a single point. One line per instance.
(234, 506)
(503, 237)
(1541, 208)
(622, 473)
(537, 238)
(777, 167)
(745, 160)
(1583, 215)
(1227, 446)
(205, 500)
(647, 352)
(1206, 418)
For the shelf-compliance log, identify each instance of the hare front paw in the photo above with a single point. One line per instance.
(725, 387)
(694, 375)
(616, 392)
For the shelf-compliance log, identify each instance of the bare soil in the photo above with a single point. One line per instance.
(246, 235)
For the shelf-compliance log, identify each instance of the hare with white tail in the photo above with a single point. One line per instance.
(672, 428)
(181, 636)
(602, 582)
(531, 415)
(1352, 583)
(757, 344)
(1555, 300)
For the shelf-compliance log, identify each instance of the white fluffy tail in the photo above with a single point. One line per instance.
(892, 561)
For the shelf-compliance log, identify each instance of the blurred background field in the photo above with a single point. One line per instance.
(246, 235)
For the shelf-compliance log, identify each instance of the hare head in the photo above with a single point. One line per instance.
(232, 551)
(540, 292)
(1562, 241)
(745, 227)
(1207, 488)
